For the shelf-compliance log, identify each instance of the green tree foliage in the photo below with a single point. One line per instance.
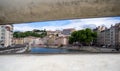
(39, 33)
(83, 36)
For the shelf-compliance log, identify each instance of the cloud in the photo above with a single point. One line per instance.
(62, 24)
(76, 25)
(101, 21)
(92, 26)
(23, 27)
(49, 25)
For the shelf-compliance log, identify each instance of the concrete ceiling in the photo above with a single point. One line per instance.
(19, 11)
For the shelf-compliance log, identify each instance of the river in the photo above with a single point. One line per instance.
(52, 50)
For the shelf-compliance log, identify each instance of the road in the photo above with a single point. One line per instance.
(60, 62)
(14, 50)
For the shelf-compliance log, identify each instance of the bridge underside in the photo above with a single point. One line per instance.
(19, 11)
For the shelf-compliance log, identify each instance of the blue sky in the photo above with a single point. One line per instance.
(62, 24)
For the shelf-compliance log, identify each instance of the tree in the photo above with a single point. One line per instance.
(17, 34)
(84, 37)
(71, 40)
(81, 36)
(30, 33)
(74, 37)
(95, 37)
(89, 36)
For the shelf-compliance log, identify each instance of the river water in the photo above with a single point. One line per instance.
(48, 50)
(52, 50)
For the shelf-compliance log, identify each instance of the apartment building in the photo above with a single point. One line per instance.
(102, 38)
(109, 37)
(112, 35)
(117, 34)
(57, 32)
(68, 32)
(29, 40)
(100, 35)
(18, 40)
(62, 40)
(6, 35)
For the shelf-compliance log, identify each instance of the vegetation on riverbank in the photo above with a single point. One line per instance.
(83, 37)
(37, 33)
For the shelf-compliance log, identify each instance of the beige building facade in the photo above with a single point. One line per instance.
(6, 35)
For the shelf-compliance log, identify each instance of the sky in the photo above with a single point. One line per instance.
(78, 24)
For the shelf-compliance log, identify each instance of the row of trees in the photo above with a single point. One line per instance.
(41, 34)
(84, 37)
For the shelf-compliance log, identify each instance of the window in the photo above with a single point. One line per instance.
(3, 30)
(3, 34)
(2, 37)
(2, 26)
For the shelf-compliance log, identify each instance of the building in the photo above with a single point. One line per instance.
(117, 35)
(112, 35)
(62, 40)
(107, 37)
(51, 39)
(57, 32)
(34, 41)
(18, 40)
(102, 38)
(100, 34)
(6, 35)
(68, 32)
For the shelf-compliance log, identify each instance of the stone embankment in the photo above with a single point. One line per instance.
(93, 49)
(98, 49)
